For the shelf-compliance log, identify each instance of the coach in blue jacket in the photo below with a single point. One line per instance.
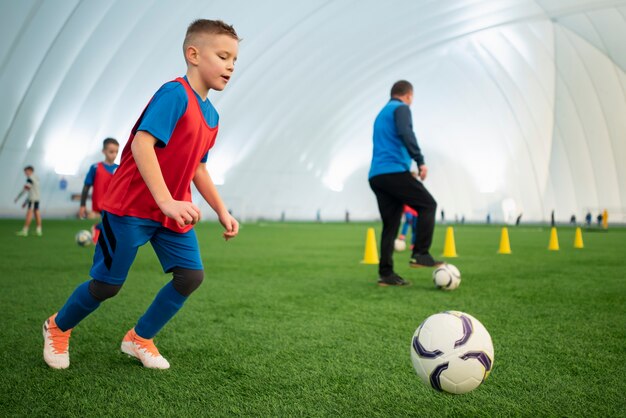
(390, 178)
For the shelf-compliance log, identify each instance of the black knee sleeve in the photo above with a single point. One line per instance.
(185, 281)
(103, 291)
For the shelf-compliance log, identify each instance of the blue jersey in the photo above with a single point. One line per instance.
(91, 174)
(395, 144)
(167, 106)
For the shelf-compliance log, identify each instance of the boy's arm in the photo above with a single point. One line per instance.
(82, 212)
(20, 195)
(89, 181)
(24, 190)
(184, 213)
(206, 187)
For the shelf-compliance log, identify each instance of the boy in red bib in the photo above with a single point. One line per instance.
(99, 177)
(149, 199)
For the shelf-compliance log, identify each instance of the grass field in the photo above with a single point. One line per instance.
(289, 323)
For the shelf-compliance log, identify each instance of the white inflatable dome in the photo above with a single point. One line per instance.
(519, 104)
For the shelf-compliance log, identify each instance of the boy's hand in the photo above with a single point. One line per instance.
(82, 212)
(184, 213)
(230, 225)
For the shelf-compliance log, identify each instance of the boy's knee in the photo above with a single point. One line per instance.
(185, 281)
(103, 291)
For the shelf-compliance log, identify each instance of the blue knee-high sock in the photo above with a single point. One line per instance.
(165, 305)
(78, 306)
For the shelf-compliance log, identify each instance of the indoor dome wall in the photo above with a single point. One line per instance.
(519, 104)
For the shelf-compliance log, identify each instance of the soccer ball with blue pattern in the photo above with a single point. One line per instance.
(446, 277)
(452, 352)
(83, 238)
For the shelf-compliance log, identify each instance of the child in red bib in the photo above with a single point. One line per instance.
(149, 199)
(98, 177)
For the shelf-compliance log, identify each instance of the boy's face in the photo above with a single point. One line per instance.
(28, 172)
(110, 152)
(215, 57)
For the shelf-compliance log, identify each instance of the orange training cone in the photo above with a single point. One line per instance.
(449, 248)
(578, 239)
(554, 240)
(505, 244)
(371, 252)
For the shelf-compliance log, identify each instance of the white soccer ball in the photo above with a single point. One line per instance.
(83, 238)
(452, 352)
(446, 277)
(399, 245)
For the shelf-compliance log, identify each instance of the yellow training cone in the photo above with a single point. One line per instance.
(578, 239)
(554, 240)
(371, 252)
(505, 244)
(449, 248)
(605, 219)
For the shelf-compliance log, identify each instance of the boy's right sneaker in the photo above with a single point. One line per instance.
(56, 344)
(144, 350)
(392, 280)
(22, 233)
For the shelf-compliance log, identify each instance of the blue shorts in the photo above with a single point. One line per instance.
(122, 236)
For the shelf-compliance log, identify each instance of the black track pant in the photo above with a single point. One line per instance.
(392, 192)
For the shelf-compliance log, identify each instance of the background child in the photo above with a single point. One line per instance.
(99, 176)
(149, 199)
(410, 220)
(31, 188)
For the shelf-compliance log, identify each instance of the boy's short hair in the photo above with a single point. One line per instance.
(211, 27)
(29, 167)
(109, 141)
(400, 88)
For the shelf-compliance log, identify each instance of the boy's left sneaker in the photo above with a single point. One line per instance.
(22, 233)
(144, 350)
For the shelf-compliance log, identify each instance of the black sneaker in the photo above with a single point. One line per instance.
(424, 260)
(392, 280)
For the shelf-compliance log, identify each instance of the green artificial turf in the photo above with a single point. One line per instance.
(289, 323)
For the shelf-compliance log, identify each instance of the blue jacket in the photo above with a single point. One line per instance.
(395, 144)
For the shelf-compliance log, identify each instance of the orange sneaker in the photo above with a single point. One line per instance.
(56, 344)
(144, 350)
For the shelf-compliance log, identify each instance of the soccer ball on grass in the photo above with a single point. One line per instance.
(452, 352)
(399, 245)
(446, 277)
(83, 238)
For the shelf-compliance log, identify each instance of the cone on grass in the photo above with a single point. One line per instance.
(554, 240)
(449, 248)
(371, 251)
(578, 238)
(505, 244)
